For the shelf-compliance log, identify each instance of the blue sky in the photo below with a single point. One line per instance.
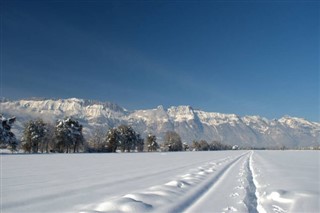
(248, 58)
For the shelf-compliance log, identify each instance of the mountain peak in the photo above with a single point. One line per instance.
(160, 107)
(189, 123)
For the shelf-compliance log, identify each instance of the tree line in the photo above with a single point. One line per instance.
(66, 136)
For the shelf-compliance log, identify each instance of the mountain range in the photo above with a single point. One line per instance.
(190, 124)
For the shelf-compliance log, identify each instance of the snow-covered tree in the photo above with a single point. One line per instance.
(204, 146)
(49, 142)
(112, 140)
(68, 133)
(172, 141)
(217, 145)
(185, 147)
(125, 138)
(7, 138)
(34, 134)
(151, 143)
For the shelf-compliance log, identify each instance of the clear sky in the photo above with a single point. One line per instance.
(243, 57)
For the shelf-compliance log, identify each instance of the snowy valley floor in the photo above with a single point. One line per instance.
(230, 181)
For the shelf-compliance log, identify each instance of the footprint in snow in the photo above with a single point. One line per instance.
(234, 194)
(239, 187)
(230, 209)
(278, 209)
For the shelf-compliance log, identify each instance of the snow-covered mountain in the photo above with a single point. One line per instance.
(251, 131)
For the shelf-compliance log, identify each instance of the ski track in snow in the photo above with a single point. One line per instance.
(188, 192)
(227, 185)
(251, 189)
(240, 193)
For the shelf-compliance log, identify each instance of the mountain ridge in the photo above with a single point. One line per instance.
(190, 123)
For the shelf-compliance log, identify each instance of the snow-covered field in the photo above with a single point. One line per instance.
(243, 181)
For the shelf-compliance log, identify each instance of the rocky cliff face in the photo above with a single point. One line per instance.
(252, 131)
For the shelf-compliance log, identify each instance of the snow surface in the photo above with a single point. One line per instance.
(226, 181)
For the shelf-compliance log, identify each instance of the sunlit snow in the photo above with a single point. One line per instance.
(225, 181)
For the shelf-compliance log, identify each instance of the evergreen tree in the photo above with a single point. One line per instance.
(68, 134)
(34, 136)
(216, 145)
(7, 138)
(204, 146)
(151, 144)
(112, 140)
(172, 141)
(185, 147)
(127, 138)
(49, 142)
(61, 137)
